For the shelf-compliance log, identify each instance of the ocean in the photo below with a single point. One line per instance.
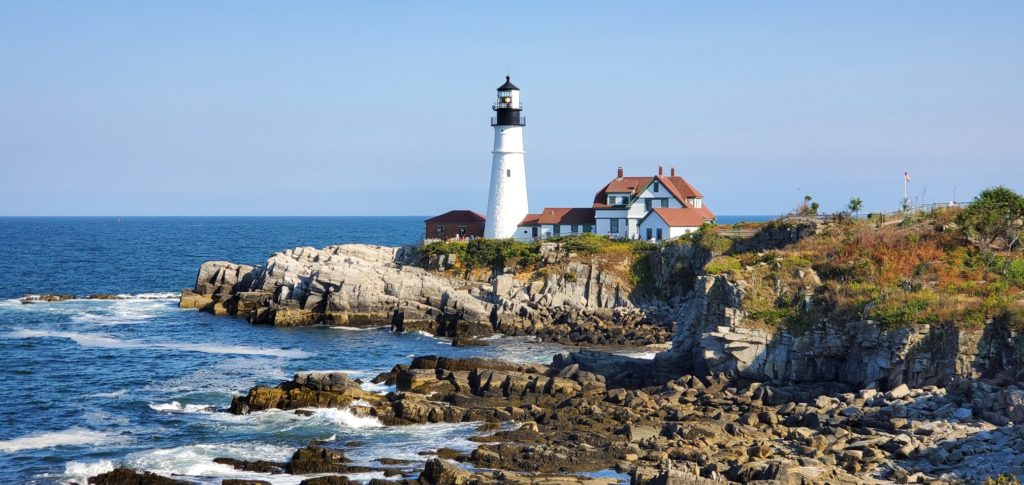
(135, 381)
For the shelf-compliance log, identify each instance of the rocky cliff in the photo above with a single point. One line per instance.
(362, 285)
(717, 331)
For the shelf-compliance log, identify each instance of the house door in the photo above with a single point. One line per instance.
(659, 234)
(650, 233)
(535, 232)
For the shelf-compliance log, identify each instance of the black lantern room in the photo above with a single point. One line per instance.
(508, 108)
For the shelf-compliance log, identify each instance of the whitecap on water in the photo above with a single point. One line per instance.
(69, 437)
(80, 472)
(344, 418)
(177, 407)
(104, 341)
(110, 395)
(357, 329)
(197, 461)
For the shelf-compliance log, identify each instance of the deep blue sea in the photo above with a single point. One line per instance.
(92, 384)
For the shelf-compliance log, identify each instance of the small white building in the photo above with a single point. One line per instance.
(556, 221)
(621, 206)
(667, 223)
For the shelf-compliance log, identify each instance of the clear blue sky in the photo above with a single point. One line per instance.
(380, 108)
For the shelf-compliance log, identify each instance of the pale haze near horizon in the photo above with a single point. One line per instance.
(193, 108)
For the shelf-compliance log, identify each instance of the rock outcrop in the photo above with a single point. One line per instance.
(715, 335)
(362, 285)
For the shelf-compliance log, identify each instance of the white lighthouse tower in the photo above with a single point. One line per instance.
(506, 204)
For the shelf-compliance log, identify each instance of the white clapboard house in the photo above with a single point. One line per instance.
(654, 207)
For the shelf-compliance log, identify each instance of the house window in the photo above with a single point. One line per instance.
(462, 230)
(648, 204)
(558, 229)
(575, 228)
(650, 233)
(658, 234)
(588, 228)
(656, 186)
(614, 229)
(664, 202)
(508, 172)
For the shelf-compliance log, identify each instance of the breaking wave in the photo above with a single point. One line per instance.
(177, 407)
(103, 341)
(68, 437)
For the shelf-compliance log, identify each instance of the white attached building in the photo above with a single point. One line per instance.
(666, 223)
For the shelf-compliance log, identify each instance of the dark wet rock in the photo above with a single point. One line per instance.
(258, 466)
(317, 459)
(328, 480)
(127, 476)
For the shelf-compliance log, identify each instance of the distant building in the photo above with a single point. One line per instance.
(458, 224)
(656, 207)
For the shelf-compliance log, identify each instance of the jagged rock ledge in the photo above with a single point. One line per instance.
(362, 285)
(710, 429)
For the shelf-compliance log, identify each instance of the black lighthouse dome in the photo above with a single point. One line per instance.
(508, 86)
(508, 108)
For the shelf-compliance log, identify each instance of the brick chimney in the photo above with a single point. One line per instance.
(673, 171)
(661, 170)
(620, 172)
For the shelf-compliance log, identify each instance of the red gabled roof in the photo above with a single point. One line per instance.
(676, 185)
(679, 186)
(620, 185)
(531, 220)
(683, 217)
(563, 215)
(457, 216)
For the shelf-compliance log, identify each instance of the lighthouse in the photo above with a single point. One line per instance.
(506, 204)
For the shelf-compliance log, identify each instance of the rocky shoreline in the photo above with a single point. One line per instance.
(568, 421)
(728, 402)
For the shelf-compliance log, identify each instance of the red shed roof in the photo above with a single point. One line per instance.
(683, 217)
(560, 215)
(456, 216)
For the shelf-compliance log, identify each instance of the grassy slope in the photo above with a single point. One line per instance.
(920, 271)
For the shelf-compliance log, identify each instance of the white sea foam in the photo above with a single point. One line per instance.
(103, 341)
(110, 395)
(358, 329)
(344, 418)
(165, 295)
(376, 388)
(68, 437)
(197, 460)
(80, 472)
(177, 407)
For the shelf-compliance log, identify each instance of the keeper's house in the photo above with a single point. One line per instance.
(654, 207)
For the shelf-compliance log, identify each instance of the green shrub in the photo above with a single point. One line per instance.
(708, 238)
(722, 264)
